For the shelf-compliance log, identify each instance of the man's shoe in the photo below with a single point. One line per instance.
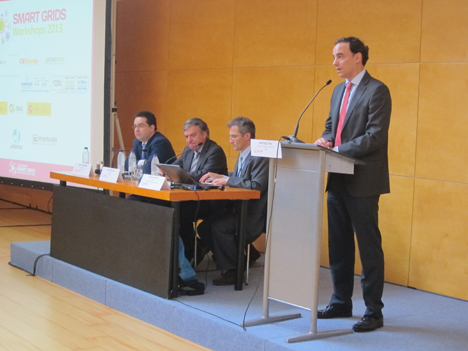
(334, 311)
(368, 323)
(227, 278)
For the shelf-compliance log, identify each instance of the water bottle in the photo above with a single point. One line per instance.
(154, 168)
(132, 162)
(121, 161)
(85, 156)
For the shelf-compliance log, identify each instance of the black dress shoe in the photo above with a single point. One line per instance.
(227, 278)
(334, 311)
(368, 323)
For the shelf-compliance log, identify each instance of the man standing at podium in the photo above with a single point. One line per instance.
(357, 127)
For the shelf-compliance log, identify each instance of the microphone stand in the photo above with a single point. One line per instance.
(293, 138)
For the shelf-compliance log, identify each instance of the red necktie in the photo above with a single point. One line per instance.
(344, 108)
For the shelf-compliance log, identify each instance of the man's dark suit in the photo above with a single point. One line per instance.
(158, 144)
(212, 159)
(219, 232)
(353, 199)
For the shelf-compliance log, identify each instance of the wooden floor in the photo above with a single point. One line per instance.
(38, 315)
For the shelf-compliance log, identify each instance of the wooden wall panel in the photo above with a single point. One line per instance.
(142, 38)
(38, 199)
(202, 33)
(444, 29)
(439, 245)
(202, 93)
(442, 126)
(395, 221)
(274, 94)
(275, 33)
(403, 82)
(392, 29)
(137, 91)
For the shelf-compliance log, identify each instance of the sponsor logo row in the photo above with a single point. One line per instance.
(36, 139)
(35, 61)
(31, 108)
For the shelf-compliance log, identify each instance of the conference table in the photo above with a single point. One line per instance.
(131, 242)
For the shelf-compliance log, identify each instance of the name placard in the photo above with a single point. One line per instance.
(266, 148)
(111, 175)
(153, 182)
(82, 169)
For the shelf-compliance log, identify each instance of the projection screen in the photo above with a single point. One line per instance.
(54, 85)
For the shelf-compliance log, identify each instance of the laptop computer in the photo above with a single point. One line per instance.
(181, 179)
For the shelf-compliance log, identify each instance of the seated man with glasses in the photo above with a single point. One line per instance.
(148, 141)
(219, 232)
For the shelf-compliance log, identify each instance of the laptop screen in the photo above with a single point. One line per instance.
(177, 174)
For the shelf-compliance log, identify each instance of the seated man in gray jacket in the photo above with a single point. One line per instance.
(250, 172)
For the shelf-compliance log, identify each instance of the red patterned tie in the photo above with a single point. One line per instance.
(344, 108)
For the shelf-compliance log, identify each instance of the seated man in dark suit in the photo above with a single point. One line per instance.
(250, 172)
(200, 156)
(148, 141)
(210, 157)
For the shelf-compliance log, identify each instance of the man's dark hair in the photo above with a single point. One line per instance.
(244, 124)
(201, 124)
(150, 118)
(356, 45)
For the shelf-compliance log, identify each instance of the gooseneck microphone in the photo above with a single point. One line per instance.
(292, 138)
(183, 152)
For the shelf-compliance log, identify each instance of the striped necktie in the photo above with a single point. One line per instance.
(239, 166)
(194, 165)
(143, 153)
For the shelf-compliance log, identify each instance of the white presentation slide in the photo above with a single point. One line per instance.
(51, 85)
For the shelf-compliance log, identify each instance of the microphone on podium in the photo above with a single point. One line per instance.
(292, 138)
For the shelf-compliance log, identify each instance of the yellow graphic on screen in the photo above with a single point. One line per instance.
(3, 107)
(39, 109)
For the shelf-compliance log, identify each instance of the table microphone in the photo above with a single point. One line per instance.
(183, 152)
(292, 138)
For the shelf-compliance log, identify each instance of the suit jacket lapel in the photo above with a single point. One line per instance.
(202, 157)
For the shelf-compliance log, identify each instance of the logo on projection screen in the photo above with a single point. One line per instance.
(15, 139)
(5, 28)
(12, 169)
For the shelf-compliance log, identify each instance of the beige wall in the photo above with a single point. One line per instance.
(217, 59)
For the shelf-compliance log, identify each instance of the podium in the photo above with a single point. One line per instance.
(294, 232)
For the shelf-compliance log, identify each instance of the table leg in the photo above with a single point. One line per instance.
(175, 251)
(240, 250)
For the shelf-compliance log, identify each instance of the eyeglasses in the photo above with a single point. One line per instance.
(232, 136)
(139, 126)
